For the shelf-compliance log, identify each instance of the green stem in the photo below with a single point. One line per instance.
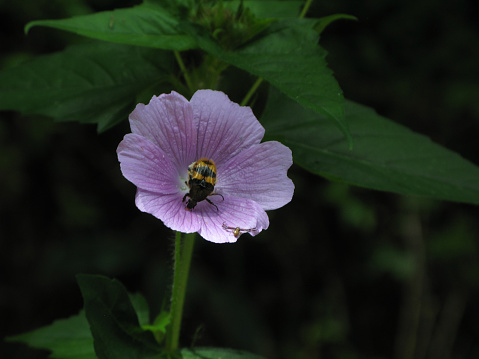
(251, 91)
(184, 244)
(180, 62)
(305, 8)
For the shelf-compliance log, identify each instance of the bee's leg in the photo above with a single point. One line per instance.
(217, 194)
(212, 203)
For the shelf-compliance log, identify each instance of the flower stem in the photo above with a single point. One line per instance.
(186, 76)
(184, 244)
(251, 91)
(305, 8)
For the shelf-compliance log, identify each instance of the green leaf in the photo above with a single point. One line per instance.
(71, 338)
(141, 308)
(386, 156)
(147, 25)
(158, 328)
(287, 56)
(323, 22)
(90, 83)
(113, 320)
(270, 8)
(66, 338)
(215, 353)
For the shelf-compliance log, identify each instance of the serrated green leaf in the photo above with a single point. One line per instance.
(113, 321)
(66, 338)
(386, 156)
(90, 83)
(287, 56)
(148, 24)
(216, 353)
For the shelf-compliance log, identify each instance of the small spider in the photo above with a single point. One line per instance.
(237, 231)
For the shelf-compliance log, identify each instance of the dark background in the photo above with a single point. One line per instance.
(342, 272)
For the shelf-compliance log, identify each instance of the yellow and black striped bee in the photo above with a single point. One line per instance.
(201, 181)
(237, 231)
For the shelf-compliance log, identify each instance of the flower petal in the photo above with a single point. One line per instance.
(224, 127)
(258, 173)
(167, 121)
(147, 166)
(170, 209)
(233, 212)
(170, 133)
(204, 218)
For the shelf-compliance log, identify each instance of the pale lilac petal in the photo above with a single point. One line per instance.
(146, 165)
(233, 212)
(224, 127)
(259, 173)
(167, 121)
(204, 218)
(170, 209)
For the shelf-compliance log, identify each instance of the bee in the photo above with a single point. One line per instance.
(237, 231)
(201, 181)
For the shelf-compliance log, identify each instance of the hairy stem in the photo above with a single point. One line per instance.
(184, 244)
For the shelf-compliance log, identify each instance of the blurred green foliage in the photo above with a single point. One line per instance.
(342, 273)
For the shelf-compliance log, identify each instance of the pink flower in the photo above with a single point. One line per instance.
(170, 134)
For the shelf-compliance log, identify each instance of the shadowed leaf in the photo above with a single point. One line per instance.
(386, 156)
